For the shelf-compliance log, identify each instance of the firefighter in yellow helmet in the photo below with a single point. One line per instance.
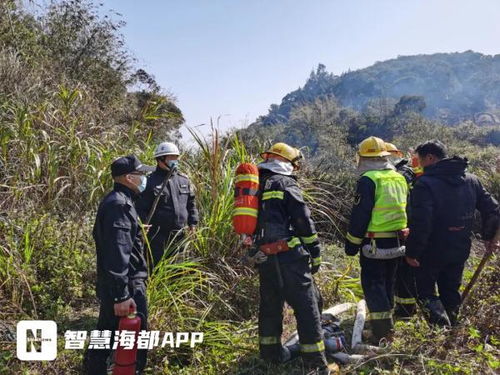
(288, 253)
(377, 217)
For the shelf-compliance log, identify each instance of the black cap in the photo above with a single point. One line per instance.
(128, 164)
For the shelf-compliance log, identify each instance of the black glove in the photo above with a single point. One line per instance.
(351, 249)
(315, 264)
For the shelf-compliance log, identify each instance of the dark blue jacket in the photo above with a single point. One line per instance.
(444, 200)
(119, 244)
(176, 207)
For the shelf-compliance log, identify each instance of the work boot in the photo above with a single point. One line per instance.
(271, 353)
(453, 315)
(314, 362)
(436, 313)
(290, 352)
(381, 328)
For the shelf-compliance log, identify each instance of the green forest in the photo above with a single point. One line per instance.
(453, 87)
(73, 99)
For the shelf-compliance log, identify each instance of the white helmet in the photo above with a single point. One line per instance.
(166, 148)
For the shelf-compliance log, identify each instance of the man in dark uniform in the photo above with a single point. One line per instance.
(443, 203)
(289, 253)
(377, 218)
(176, 207)
(405, 292)
(121, 266)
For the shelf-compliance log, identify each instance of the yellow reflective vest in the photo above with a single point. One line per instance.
(389, 210)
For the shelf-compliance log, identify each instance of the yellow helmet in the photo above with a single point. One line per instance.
(393, 150)
(290, 153)
(373, 147)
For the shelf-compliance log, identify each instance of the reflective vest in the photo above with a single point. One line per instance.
(389, 211)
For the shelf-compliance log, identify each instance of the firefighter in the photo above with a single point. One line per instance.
(378, 216)
(405, 290)
(121, 266)
(176, 208)
(288, 254)
(443, 203)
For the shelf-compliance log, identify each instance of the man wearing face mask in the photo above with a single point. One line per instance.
(176, 208)
(121, 266)
(289, 252)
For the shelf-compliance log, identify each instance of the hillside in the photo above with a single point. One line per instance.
(454, 86)
(389, 99)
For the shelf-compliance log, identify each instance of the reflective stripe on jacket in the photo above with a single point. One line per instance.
(284, 215)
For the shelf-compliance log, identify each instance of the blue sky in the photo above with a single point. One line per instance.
(233, 58)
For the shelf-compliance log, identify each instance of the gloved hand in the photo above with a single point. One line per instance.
(260, 257)
(256, 258)
(315, 264)
(351, 249)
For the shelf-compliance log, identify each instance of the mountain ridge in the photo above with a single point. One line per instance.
(455, 86)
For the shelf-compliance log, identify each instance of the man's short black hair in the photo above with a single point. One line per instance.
(434, 147)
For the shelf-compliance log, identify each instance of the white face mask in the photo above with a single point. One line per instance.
(277, 166)
(172, 163)
(142, 184)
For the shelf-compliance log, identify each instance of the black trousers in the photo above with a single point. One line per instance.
(301, 294)
(162, 242)
(447, 277)
(95, 359)
(377, 280)
(406, 290)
